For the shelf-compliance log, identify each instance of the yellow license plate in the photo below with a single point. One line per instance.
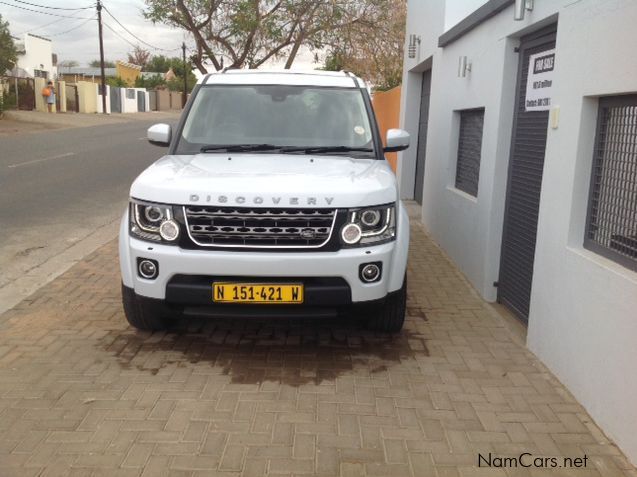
(259, 293)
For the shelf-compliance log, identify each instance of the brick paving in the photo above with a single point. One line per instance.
(82, 394)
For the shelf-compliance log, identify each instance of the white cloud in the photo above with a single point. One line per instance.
(81, 44)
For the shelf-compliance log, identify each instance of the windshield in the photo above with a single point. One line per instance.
(295, 117)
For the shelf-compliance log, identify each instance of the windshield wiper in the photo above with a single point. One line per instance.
(325, 149)
(239, 147)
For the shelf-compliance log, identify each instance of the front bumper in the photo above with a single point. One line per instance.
(201, 266)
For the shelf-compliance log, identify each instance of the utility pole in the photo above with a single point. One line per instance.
(184, 95)
(99, 26)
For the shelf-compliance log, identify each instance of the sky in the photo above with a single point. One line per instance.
(76, 38)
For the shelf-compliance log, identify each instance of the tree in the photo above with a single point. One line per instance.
(150, 83)
(372, 49)
(251, 32)
(139, 57)
(161, 64)
(8, 51)
(107, 64)
(116, 82)
(68, 64)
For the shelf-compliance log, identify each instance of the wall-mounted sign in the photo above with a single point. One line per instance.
(540, 81)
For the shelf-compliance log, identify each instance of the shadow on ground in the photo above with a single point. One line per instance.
(254, 350)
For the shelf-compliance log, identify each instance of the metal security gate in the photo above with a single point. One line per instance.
(72, 99)
(524, 182)
(141, 101)
(116, 100)
(423, 123)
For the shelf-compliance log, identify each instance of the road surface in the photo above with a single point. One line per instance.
(62, 193)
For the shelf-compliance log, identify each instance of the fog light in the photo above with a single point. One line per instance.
(370, 272)
(169, 230)
(351, 234)
(148, 269)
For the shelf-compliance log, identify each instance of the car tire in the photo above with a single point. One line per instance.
(390, 316)
(143, 313)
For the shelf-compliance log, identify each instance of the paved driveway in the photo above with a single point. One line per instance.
(83, 394)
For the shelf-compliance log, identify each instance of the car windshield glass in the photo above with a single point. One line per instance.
(292, 117)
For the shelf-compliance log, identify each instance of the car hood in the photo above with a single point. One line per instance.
(267, 180)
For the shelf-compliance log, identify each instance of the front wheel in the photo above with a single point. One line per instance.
(143, 314)
(390, 316)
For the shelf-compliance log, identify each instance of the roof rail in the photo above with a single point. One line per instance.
(229, 67)
(351, 75)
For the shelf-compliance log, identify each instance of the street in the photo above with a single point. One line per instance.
(59, 187)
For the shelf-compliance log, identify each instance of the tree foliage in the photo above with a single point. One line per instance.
(107, 64)
(150, 83)
(372, 49)
(116, 82)
(8, 51)
(139, 56)
(160, 64)
(248, 33)
(68, 64)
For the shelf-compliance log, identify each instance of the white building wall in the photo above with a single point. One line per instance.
(583, 319)
(129, 105)
(99, 99)
(458, 10)
(38, 56)
(425, 19)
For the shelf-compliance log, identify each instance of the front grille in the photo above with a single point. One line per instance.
(210, 226)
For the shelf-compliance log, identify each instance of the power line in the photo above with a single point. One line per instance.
(45, 25)
(135, 36)
(71, 29)
(116, 33)
(43, 13)
(53, 8)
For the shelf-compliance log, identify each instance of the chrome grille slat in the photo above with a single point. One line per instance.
(211, 226)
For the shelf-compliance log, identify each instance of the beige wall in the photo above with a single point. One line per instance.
(175, 100)
(40, 103)
(61, 91)
(87, 93)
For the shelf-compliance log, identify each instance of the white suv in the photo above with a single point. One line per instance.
(274, 199)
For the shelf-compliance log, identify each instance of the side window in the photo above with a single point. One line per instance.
(611, 225)
(469, 150)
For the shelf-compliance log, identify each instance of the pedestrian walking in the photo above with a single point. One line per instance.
(49, 96)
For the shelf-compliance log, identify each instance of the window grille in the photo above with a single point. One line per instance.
(469, 149)
(611, 226)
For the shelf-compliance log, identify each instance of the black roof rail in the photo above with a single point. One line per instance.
(351, 75)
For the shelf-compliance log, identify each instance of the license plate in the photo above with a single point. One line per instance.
(259, 293)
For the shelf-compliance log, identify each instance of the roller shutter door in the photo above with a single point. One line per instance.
(524, 185)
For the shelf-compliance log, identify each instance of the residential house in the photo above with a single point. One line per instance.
(35, 58)
(523, 116)
(126, 71)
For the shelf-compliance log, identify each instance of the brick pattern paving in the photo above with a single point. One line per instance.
(81, 393)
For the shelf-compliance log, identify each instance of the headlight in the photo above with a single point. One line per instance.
(369, 226)
(153, 222)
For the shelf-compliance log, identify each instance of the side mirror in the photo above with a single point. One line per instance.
(397, 140)
(159, 134)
